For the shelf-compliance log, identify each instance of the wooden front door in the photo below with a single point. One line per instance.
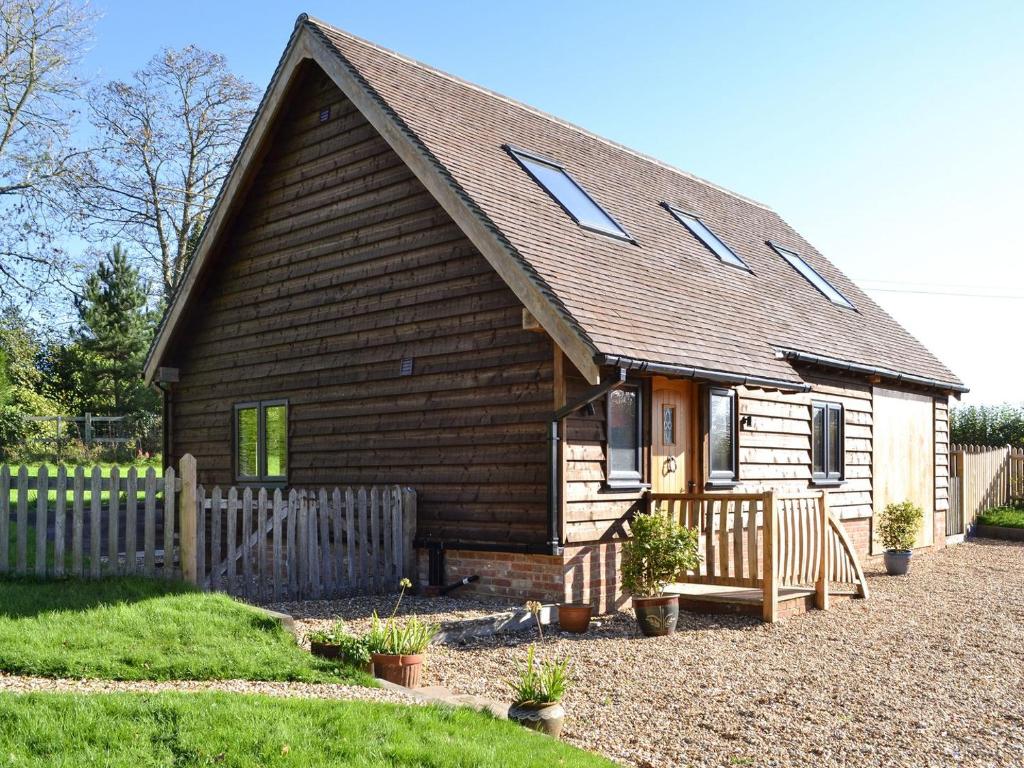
(671, 435)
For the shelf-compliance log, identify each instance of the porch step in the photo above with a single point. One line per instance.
(747, 601)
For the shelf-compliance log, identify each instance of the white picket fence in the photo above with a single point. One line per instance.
(256, 543)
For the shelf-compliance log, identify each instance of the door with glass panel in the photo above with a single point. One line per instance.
(671, 451)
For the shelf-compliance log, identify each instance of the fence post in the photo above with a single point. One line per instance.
(769, 569)
(408, 533)
(821, 600)
(187, 518)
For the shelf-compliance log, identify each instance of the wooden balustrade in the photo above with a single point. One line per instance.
(796, 544)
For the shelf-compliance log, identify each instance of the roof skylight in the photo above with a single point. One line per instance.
(557, 182)
(812, 276)
(710, 240)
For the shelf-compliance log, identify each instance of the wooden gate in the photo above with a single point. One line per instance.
(264, 544)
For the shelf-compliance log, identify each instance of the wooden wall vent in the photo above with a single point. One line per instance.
(325, 114)
(406, 367)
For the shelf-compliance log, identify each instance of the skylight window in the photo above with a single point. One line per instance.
(557, 182)
(812, 276)
(710, 240)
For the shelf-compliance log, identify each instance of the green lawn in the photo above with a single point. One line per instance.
(1006, 517)
(51, 469)
(140, 629)
(30, 549)
(181, 730)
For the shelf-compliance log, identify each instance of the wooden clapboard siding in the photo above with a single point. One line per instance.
(774, 453)
(591, 511)
(775, 449)
(339, 264)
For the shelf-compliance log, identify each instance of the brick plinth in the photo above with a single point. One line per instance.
(940, 530)
(502, 574)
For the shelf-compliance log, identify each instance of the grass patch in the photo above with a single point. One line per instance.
(1004, 517)
(142, 466)
(30, 550)
(170, 729)
(142, 629)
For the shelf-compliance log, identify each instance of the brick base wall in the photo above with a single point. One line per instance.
(502, 574)
(940, 530)
(859, 533)
(592, 575)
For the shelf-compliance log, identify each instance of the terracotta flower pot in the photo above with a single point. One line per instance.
(325, 650)
(574, 617)
(657, 615)
(546, 718)
(400, 670)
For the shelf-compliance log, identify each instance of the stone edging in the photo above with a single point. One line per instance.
(435, 694)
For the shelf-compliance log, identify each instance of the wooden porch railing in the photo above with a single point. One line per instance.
(798, 543)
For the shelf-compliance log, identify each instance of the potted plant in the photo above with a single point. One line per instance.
(338, 643)
(537, 691)
(396, 647)
(323, 643)
(898, 525)
(658, 550)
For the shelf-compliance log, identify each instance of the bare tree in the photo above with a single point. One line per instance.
(165, 142)
(41, 42)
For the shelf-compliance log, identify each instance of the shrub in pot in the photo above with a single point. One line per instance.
(397, 647)
(537, 691)
(338, 643)
(898, 526)
(658, 550)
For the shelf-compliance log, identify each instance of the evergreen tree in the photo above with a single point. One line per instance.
(115, 333)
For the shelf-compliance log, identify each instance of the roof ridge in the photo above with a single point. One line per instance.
(305, 17)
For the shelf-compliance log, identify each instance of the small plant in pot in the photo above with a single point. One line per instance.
(898, 526)
(537, 691)
(338, 643)
(658, 550)
(397, 647)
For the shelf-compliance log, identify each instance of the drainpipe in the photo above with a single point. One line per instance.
(555, 466)
(167, 410)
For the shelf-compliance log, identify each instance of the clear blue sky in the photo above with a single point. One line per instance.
(890, 134)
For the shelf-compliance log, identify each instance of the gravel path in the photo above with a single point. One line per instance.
(928, 672)
(20, 684)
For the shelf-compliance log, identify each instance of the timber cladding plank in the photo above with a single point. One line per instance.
(339, 264)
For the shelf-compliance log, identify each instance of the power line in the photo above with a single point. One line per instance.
(936, 290)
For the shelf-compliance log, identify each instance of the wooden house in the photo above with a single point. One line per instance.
(410, 279)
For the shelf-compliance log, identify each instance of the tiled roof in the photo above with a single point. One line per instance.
(666, 298)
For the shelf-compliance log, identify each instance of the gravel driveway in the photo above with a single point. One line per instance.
(928, 672)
